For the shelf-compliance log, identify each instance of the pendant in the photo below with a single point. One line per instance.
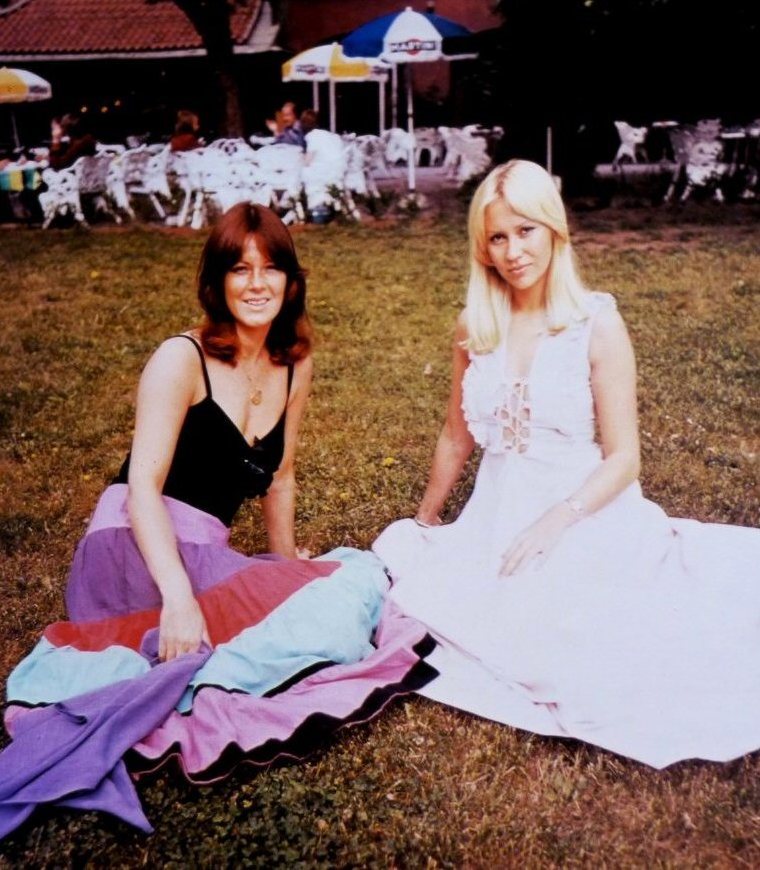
(255, 397)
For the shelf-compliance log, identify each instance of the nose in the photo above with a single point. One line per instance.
(257, 278)
(514, 247)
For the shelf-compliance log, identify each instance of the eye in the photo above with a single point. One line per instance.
(526, 230)
(239, 269)
(495, 237)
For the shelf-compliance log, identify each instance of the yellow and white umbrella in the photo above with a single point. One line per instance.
(327, 63)
(22, 86)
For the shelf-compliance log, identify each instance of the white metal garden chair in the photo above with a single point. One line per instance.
(698, 150)
(429, 141)
(324, 174)
(280, 170)
(99, 176)
(466, 153)
(61, 196)
(145, 175)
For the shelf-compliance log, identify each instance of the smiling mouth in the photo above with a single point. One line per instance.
(257, 303)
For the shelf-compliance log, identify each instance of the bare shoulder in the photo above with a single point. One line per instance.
(303, 372)
(174, 360)
(609, 335)
(607, 320)
(460, 332)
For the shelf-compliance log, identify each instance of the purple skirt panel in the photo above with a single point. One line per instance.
(109, 577)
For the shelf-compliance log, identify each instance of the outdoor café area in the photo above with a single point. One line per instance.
(326, 171)
(354, 176)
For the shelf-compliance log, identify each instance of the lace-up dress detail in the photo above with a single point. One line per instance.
(544, 411)
(514, 416)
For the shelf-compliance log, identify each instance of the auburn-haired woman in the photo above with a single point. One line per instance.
(218, 411)
(295, 652)
(564, 601)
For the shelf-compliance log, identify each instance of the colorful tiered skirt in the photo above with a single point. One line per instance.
(299, 648)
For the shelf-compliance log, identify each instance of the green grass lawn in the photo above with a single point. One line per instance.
(423, 785)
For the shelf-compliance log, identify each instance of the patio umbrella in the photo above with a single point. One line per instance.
(404, 38)
(21, 86)
(327, 63)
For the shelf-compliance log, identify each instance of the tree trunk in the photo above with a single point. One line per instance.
(211, 19)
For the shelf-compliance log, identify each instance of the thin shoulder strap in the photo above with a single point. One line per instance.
(197, 346)
(290, 378)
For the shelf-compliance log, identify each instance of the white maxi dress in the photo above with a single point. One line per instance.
(638, 632)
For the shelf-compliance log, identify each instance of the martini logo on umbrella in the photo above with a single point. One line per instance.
(412, 46)
(310, 69)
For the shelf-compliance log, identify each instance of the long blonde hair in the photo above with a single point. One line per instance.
(530, 191)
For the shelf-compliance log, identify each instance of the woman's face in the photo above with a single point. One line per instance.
(254, 288)
(520, 249)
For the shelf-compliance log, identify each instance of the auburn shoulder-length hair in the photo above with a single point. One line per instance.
(530, 191)
(290, 335)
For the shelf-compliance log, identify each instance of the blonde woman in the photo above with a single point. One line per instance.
(564, 602)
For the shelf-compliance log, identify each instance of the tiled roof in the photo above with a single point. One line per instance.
(95, 27)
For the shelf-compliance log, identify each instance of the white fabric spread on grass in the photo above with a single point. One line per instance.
(638, 633)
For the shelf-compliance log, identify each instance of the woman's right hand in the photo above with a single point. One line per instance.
(182, 628)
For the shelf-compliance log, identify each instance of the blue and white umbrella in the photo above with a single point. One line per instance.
(407, 37)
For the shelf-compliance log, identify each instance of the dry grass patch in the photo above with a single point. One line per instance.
(422, 786)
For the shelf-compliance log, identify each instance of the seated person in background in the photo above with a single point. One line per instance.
(286, 127)
(309, 121)
(70, 140)
(185, 136)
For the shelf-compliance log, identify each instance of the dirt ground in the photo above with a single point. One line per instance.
(621, 211)
(621, 216)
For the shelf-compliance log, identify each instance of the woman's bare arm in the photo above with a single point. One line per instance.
(455, 443)
(278, 505)
(167, 388)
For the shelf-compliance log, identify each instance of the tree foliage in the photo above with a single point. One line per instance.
(577, 65)
(652, 58)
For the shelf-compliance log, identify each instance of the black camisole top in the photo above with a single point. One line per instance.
(214, 468)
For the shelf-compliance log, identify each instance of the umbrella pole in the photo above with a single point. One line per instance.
(394, 96)
(15, 129)
(410, 127)
(315, 95)
(381, 98)
(332, 106)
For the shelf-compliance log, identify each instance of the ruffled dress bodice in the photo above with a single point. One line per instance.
(552, 410)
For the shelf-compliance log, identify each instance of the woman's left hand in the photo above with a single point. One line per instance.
(537, 540)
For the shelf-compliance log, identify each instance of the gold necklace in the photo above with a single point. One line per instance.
(255, 395)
